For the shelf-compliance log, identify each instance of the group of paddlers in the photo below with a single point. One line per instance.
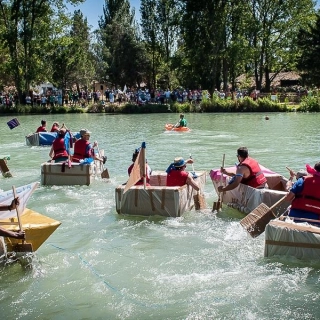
(82, 148)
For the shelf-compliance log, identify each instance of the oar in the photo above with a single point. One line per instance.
(218, 205)
(198, 199)
(255, 222)
(175, 126)
(20, 247)
(105, 172)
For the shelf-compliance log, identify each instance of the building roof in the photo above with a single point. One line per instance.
(276, 82)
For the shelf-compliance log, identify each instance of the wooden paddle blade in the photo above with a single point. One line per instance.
(199, 202)
(214, 207)
(4, 169)
(22, 247)
(105, 174)
(219, 205)
(255, 222)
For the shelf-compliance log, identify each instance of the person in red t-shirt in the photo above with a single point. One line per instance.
(42, 128)
(178, 177)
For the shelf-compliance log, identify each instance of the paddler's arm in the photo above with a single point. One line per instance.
(224, 171)
(241, 170)
(192, 183)
(233, 185)
(51, 153)
(12, 206)
(12, 234)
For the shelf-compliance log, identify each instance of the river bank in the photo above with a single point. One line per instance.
(244, 105)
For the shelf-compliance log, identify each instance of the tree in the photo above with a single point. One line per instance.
(275, 26)
(27, 28)
(119, 49)
(308, 61)
(72, 57)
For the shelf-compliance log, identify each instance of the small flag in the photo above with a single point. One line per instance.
(125, 89)
(13, 123)
(139, 169)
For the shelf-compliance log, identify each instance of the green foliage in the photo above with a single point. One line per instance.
(310, 104)
(309, 51)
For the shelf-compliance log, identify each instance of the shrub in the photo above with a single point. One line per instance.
(311, 104)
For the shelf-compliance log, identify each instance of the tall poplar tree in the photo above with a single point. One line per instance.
(119, 49)
(27, 28)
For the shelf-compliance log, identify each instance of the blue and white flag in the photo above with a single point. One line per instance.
(13, 123)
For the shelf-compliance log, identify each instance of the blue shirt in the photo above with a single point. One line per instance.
(298, 186)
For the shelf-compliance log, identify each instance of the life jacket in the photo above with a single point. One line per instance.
(80, 150)
(256, 177)
(59, 148)
(54, 129)
(41, 129)
(177, 178)
(309, 198)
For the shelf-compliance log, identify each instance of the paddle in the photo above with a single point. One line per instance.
(218, 205)
(175, 126)
(255, 222)
(4, 168)
(105, 172)
(198, 199)
(20, 247)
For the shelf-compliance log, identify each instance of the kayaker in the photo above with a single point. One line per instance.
(178, 177)
(248, 172)
(305, 195)
(58, 151)
(42, 128)
(83, 149)
(182, 121)
(148, 169)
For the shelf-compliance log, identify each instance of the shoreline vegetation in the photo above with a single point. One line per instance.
(215, 105)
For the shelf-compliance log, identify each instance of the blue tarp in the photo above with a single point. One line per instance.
(46, 138)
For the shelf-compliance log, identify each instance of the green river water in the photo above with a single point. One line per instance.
(101, 265)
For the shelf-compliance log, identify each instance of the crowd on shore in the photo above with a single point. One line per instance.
(139, 96)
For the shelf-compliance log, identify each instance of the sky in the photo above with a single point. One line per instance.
(92, 9)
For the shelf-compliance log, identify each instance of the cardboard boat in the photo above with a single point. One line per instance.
(290, 239)
(37, 227)
(40, 139)
(157, 199)
(60, 174)
(245, 199)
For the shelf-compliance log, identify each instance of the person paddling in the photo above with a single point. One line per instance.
(177, 176)
(182, 121)
(84, 149)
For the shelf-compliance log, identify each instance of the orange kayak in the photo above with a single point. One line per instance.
(171, 127)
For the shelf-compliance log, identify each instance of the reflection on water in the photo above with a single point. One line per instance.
(101, 265)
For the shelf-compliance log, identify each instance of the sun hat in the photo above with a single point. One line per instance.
(84, 132)
(179, 162)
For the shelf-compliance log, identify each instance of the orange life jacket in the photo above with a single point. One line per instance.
(256, 177)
